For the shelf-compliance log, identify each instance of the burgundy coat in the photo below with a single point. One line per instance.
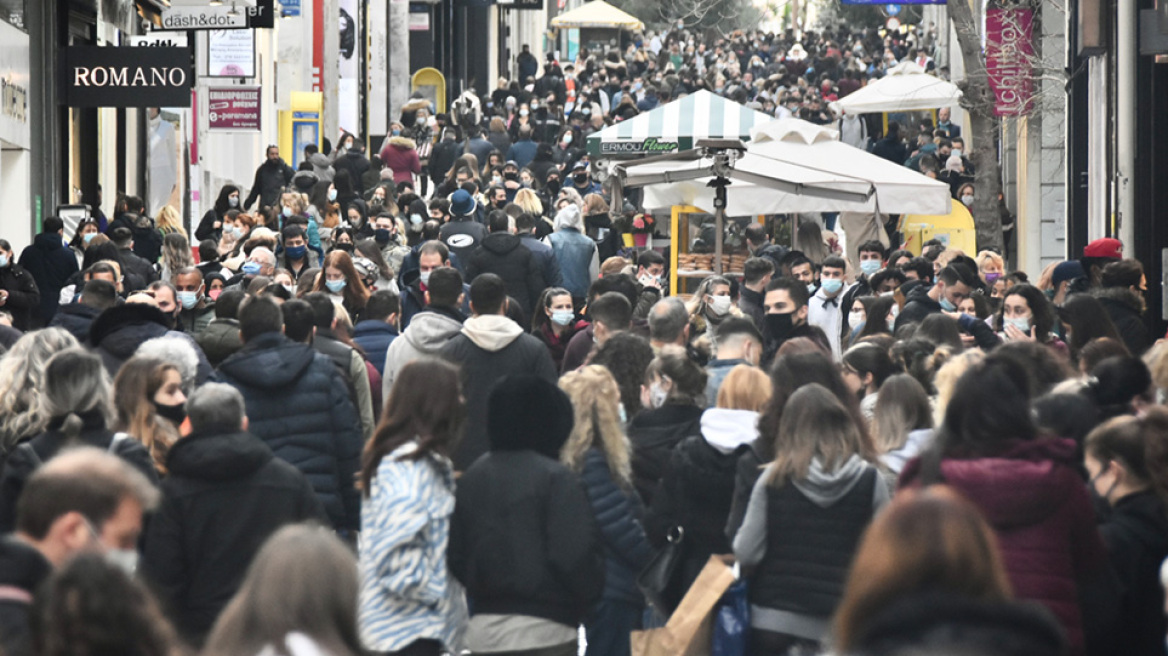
(401, 157)
(1040, 510)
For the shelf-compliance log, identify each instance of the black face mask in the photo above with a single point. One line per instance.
(511, 175)
(553, 186)
(344, 246)
(381, 236)
(173, 413)
(501, 203)
(581, 178)
(778, 326)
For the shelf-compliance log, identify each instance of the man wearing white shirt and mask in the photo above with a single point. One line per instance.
(825, 309)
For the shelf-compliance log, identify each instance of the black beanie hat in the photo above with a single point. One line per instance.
(528, 412)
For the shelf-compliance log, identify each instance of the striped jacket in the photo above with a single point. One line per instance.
(407, 592)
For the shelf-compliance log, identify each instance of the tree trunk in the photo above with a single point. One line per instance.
(978, 100)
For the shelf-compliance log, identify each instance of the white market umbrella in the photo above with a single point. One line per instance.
(906, 87)
(597, 14)
(798, 153)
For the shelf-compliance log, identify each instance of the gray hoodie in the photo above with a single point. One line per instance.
(322, 166)
(824, 489)
(427, 332)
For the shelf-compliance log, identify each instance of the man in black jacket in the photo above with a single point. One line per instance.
(97, 296)
(224, 495)
(505, 255)
(491, 347)
(270, 180)
(123, 238)
(1122, 295)
(298, 404)
(523, 538)
(51, 265)
(954, 284)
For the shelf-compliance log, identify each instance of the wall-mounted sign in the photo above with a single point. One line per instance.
(204, 18)
(649, 146)
(95, 76)
(1010, 59)
(419, 21)
(233, 108)
(159, 39)
(233, 16)
(231, 53)
(14, 78)
(289, 8)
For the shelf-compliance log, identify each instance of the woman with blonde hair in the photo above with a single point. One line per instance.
(148, 402)
(299, 596)
(929, 545)
(176, 255)
(947, 376)
(697, 488)
(990, 266)
(529, 201)
(804, 521)
(22, 383)
(598, 451)
(169, 221)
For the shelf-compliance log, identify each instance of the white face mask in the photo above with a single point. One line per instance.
(855, 318)
(124, 559)
(719, 305)
(657, 395)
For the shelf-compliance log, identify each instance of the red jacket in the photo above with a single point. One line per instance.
(1042, 515)
(401, 156)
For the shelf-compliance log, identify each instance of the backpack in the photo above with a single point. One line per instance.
(37, 461)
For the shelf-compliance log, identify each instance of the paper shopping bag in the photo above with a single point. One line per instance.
(690, 629)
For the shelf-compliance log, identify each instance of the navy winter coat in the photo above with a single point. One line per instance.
(374, 337)
(618, 514)
(298, 403)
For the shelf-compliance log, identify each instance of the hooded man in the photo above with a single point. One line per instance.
(489, 348)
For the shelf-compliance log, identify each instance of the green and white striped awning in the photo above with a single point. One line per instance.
(677, 126)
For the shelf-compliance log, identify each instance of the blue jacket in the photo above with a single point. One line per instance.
(298, 403)
(574, 251)
(618, 513)
(522, 152)
(374, 337)
(546, 257)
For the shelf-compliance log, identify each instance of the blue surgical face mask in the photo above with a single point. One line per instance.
(947, 305)
(831, 285)
(1022, 324)
(335, 286)
(416, 219)
(188, 299)
(296, 252)
(88, 237)
(562, 317)
(233, 201)
(811, 287)
(3, 260)
(287, 211)
(332, 194)
(251, 268)
(869, 267)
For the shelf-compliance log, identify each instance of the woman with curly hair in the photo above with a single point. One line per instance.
(599, 453)
(22, 378)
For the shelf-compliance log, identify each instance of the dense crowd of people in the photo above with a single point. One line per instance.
(431, 402)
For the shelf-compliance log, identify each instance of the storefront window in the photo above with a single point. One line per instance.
(12, 12)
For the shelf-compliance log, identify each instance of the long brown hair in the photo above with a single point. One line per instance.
(425, 404)
(814, 425)
(303, 580)
(902, 406)
(134, 388)
(355, 293)
(927, 540)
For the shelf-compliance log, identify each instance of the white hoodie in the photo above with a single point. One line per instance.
(726, 430)
(491, 332)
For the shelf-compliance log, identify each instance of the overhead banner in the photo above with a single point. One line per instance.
(1010, 59)
(96, 76)
(233, 108)
(220, 17)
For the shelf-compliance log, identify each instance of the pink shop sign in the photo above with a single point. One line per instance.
(1010, 59)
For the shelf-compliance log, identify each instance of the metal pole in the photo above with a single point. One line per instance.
(1125, 146)
(331, 75)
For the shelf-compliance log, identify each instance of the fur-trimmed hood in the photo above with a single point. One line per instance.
(404, 143)
(415, 104)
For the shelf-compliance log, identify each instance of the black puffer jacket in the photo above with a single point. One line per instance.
(22, 569)
(224, 495)
(26, 458)
(220, 340)
(24, 299)
(504, 255)
(607, 237)
(299, 405)
(1136, 535)
(77, 318)
(1126, 311)
(50, 264)
(118, 332)
(654, 434)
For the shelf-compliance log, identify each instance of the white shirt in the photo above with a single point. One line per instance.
(828, 315)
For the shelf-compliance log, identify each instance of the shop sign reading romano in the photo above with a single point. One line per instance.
(96, 76)
(649, 146)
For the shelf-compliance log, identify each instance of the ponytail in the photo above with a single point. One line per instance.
(71, 428)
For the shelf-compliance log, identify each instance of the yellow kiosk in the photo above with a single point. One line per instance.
(301, 125)
(955, 229)
(432, 84)
(688, 267)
